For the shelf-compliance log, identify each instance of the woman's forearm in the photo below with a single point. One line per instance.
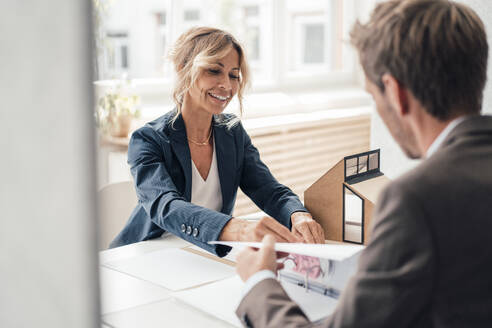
(232, 231)
(244, 230)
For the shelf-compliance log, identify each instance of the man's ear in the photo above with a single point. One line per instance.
(396, 94)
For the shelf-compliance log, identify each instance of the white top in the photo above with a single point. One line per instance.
(206, 193)
(444, 133)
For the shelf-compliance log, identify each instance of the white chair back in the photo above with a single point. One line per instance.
(116, 202)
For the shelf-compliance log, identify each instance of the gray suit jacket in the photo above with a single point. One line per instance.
(429, 261)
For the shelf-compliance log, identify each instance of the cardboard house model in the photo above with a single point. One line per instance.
(342, 200)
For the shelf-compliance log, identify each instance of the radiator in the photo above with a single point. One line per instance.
(300, 150)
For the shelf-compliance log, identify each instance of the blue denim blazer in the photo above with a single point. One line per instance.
(160, 162)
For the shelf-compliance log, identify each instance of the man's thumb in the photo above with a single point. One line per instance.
(268, 242)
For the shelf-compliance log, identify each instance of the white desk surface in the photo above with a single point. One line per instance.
(166, 241)
(128, 302)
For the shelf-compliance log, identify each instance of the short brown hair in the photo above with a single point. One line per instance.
(198, 48)
(436, 48)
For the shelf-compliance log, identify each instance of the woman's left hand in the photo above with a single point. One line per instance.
(304, 226)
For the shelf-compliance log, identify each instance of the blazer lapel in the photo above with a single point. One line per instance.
(226, 163)
(180, 146)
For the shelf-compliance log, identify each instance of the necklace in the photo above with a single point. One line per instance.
(202, 143)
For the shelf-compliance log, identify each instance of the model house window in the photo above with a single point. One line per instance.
(350, 167)
(374, 161)
(362, 165)
(353, 216)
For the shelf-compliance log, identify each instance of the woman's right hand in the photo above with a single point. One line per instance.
(244, 230)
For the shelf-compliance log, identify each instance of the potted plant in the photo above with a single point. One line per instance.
(116, 110)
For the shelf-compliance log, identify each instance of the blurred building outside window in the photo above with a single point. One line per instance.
(291, 45)
(117, 55)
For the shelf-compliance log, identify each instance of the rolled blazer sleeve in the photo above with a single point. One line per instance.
(163, 203)
(391, 288)
(258, 183)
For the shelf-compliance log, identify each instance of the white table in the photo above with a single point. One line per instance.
(127, 301)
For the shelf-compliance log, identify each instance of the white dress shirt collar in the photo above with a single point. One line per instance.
(444, 133)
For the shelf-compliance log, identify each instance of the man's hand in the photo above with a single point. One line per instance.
(251, 261)
(304, 227)
(243, 230)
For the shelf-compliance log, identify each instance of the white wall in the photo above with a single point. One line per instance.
(48, 247)
(393, 161)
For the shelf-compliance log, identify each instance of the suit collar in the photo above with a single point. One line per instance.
(177, 137)
(472, 125)
(176, 129)
(226, 162)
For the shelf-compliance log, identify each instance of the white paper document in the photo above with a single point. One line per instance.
(174, 269)
(120, 291)
(314, 305)
(326, 251)
(221, 299)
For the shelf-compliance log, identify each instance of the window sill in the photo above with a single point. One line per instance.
(285, 105)
(277, 103)
(268, 104)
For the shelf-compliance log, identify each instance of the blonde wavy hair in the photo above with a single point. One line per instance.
(198, 49)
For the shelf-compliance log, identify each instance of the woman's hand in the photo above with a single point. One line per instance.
(304, 227)
(244, 230)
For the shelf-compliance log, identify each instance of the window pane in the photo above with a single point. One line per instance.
(307, 28)
(161, 18)
(373, 161)
(308, 34)
(351, 166)
(314, 51)
(352, 216)
(247, 21)
(251, 11)
(192, 15)
(253, 41)
(362, 164)
(117, 52)
(124, 56)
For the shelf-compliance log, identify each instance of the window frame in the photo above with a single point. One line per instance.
(362, 221)
(368, 172)
(114, 60)
(273, 43)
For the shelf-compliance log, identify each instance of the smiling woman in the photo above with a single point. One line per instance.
(188, 164)
(208, 62)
